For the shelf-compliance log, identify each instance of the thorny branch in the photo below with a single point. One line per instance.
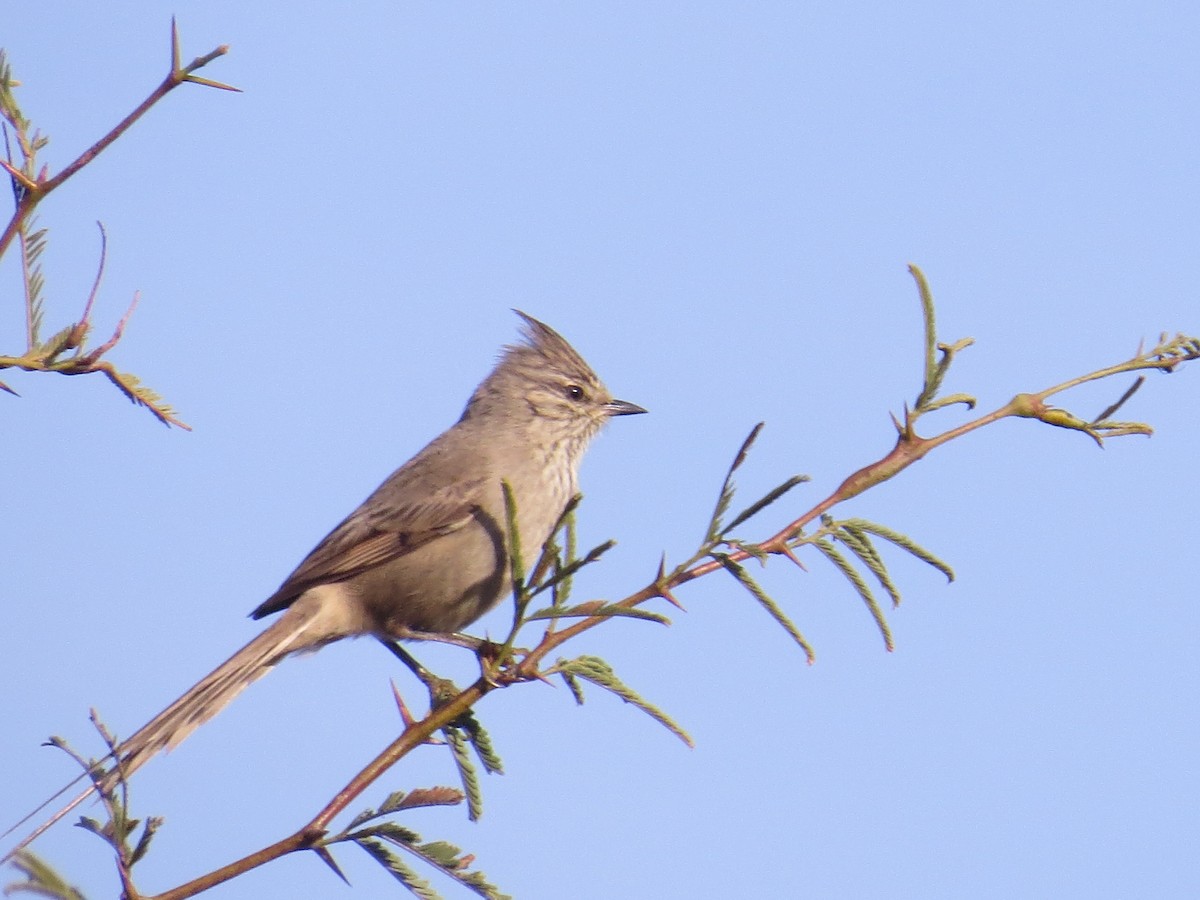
(31, 185)
(518, 666)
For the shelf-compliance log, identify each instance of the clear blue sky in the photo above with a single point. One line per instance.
(716, 203)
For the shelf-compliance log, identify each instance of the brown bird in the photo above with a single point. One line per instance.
(428, 552)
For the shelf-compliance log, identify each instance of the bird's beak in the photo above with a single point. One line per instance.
(622, 408)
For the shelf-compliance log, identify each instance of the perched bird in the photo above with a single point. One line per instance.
(428, 552)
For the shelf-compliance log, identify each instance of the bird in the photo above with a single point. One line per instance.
(428, 552)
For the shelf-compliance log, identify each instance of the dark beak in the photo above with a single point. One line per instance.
(622, 408)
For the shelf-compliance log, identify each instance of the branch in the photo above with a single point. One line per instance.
(510, 666)
(30, 187)
(35, 189)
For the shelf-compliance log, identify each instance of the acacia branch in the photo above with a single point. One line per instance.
(34, 188)
(507, 666)
(30, 187)
(909, 448)
(308, 836)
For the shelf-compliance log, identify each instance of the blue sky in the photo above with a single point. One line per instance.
(715, 203)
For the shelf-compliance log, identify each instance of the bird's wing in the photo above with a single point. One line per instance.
(378, 532)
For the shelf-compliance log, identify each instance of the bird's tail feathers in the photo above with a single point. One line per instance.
(300, 628)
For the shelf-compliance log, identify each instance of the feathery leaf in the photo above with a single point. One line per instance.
(764, 599)
(400, 800)
(481, 741)
(903, 542)
(860, 586)
(860, 545)
(755, 508)
(564, 573)
(725, 498)
(466, 771)
(599, 672)
(573, 686)
(401, 872)
(597, 608)
(40, 879)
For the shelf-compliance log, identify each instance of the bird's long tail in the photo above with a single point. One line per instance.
(298, 629)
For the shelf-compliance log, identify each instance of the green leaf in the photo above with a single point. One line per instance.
(562, 576)
(860, 586)
(441, 853)
(599, 672)
(40, 879)
(573, 686)
(131, 386)
(767, 603)
(966, 399)
(450, 861)
(57, 343)
(597, 608)
(399, 800)
(33, 243)
(401, 872)
(860, 545)
(87, 823)
(931, 379)
(153, 823)
(466, 771)
(394, 832)
(903, 542)
(755, 508)
(725, 498)
(515, 562)
(563, 580)
(481, 741)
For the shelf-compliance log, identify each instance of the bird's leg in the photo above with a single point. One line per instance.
(485, 651)
(440, 689)
(444, 637)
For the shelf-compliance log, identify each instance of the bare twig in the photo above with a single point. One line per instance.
(35, 190)
(29, 189)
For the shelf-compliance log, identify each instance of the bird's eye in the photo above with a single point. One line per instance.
(574, 391)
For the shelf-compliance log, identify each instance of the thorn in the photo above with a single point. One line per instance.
(666, 595)
(174, 46)
(787, 551)
(327, 858)
(405, 716)
(208, 82)
(539, 675)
